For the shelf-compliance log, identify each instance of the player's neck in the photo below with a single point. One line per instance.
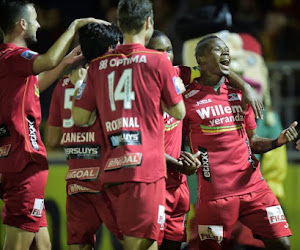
(209, 79)
(17, 40)
(136, 38)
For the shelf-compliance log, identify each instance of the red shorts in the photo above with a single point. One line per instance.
(23, 196)
(139, 208)
(177, 207)
(85, 213)
(260, 211)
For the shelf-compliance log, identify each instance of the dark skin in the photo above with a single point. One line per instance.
(214, 64)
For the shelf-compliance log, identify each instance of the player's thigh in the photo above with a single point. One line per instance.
(282, 243)
(134, 243)
(262, 213)
(42, 239)
(17, 238)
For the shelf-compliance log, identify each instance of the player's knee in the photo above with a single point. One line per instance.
(284, 243)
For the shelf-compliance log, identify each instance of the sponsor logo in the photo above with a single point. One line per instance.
(4, 150)
(78, 137)
(203, 102)
(115, 62)
(4, 131)
(161, 216)
(38, 206)
(185, 218)
(65, 82)
(123, 122)
(125, 138)
(250, 159)
(217, 110)
(211, 232)
(234, 97)
(32, 132)
(127, 160)
(275, 214)
(80, 91)
(28, 54)
(286, 226)
(191, 93)
(83, 173)
(36, 91)
(204, 163)
(75, 189)
(87, 152)
(176, 84)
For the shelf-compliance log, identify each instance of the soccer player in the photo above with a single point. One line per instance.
(177, 193)
(85, 204)
(230, 184)
(126, 87)
(23, 161)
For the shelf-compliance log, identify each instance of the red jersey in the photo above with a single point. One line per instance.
(173, 133)
(216, 125)
(20, 140)
(127, 85)
(82, 145)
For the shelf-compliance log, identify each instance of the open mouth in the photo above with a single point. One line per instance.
(225, 62)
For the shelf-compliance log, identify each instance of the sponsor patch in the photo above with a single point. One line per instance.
(80, 91)
(176, 84)
(83, 173)
(208, 232)
(38, 206)
(250, 156)
(127, 160)
(233, 97)
(4, 150)
(28, 54)
(185, 218)
(191, 93)
(161, 216)
(204, 163)
(203, 102)
(125, 138)
(32, 132)
(87, 152)
(36, 91)
(4, 132)
(75, 189)
(275, 214)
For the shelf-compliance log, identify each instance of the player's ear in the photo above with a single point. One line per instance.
(149, 22)
(201, 59)
(23, 23)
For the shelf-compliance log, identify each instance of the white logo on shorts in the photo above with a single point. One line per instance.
(275, 214)
(38, 206)
(161, 216)
(208, 232)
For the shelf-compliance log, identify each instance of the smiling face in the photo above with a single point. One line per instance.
(216, 58)
(33, 25)
(162, 43)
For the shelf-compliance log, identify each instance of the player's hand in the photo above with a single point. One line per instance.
(190, 162)
(288, 135)
(250, 97)
(179, 83)
(298, 145)
(74, 56)
(78, 23)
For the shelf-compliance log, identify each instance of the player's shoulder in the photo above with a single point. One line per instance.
(192, 90)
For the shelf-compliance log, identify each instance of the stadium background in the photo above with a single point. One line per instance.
(275, 23)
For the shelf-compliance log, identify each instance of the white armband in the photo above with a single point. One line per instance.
(78, 84)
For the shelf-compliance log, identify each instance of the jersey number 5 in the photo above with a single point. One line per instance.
(123, 91)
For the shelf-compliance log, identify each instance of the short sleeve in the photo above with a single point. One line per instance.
(21, 62)
(55, 110)
(86, 95)
(250, 118)
(170, 91)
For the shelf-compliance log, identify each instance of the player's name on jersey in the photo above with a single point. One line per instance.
(78, 137)
(123, 122)
(115, 61)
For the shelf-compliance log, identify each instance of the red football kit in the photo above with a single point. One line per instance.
(126, 86)
(87, 209)
(23, 159)
(230, 185)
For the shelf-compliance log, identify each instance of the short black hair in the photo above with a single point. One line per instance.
(95, 39)
(203, 43)
(132, 14)
(11, 11)
(158, 33)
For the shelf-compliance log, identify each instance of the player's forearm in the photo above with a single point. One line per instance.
(173, 163)
(237, 82)
(260, 145)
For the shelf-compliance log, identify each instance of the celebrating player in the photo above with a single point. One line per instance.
(230, 184)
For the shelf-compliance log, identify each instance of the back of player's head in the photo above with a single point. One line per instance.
(95, 39)
(158, 33)
(132, 14)
(203, 45)
(11, 11)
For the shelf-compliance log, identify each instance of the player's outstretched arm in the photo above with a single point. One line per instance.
(249, 95)
(187, 163)
(58, 50)
(54, 135)
(261, 145)
(177, 111)
(48, 77)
